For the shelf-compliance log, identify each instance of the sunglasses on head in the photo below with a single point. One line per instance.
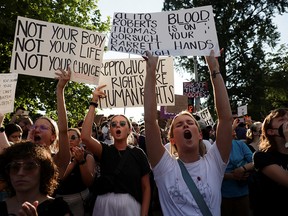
(113, 124)
(73, 137)
(15, 166)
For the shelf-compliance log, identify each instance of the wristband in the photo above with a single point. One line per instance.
(95, 104)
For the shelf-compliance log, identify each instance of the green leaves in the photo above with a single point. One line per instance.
(38, 94)
(245, 30)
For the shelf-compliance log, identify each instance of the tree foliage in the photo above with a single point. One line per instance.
(34, 93)
(245, 30)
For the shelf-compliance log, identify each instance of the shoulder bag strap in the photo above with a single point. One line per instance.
(194, 190)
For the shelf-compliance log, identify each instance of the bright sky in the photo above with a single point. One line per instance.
(108, 7)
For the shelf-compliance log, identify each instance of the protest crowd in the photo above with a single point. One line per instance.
(184, 164)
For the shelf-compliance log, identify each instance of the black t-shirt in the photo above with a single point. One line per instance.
(73, 183)
(128, 180)
(51, 207)
(268, 197)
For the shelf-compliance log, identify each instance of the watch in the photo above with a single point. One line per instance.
(2, 129)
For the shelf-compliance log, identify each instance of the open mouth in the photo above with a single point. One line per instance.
(118, 132)
(37, 138)
(187, 134)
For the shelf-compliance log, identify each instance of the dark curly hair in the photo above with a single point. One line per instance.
(28, 150)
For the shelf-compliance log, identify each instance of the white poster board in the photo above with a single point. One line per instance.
(184, 32)
(205, 116)
(125, 79)
(40, 48)
(242, 110)
(8, 84)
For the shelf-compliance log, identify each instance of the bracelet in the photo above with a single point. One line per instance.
(214, 73)
(95, 104)
(244, 168)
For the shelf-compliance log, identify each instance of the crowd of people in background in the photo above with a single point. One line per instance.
(118, 166)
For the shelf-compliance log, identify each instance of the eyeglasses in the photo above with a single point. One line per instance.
(73, 137)
(40, 127)
(113, 124)
(28, 167)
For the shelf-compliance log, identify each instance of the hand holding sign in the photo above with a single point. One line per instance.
(213, 63)
(63, 77)
(151, 61)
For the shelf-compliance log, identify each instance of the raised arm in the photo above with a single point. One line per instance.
(154, 146)
(223, 109)
(4, 143)
(62, 158)
(92, 144)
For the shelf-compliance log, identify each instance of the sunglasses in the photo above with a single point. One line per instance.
(73, 137)
(28, 167)
(40, 127)
(113, 124)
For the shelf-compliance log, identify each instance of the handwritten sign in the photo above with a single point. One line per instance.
(205, 116)
(195, 89)
(184, 32)
(125, 80)
(8, 84)
(40, 48)
(242, 110)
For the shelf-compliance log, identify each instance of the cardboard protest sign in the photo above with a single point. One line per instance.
(40, 48)
(125, 80)
(242, 110)
(184, 32)
(195, 89)
(181, 103)
(205, 116)
(8, 84)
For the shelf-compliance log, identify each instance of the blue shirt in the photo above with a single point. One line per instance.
(240, 155)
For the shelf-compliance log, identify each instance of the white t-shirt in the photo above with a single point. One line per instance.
(174, 195)
(207, 144)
